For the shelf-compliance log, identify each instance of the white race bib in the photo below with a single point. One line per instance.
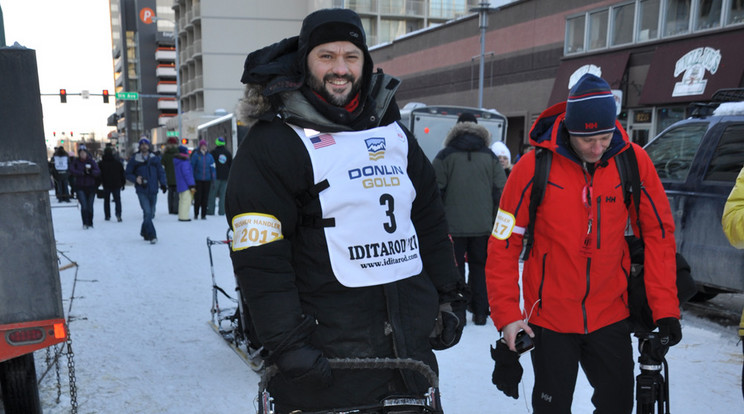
(370, 197)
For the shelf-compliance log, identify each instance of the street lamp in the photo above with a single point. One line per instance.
(178, 71)
(482, 10)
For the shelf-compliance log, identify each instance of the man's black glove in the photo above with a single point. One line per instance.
(448, 328)
(507, 371)
(163, 188)
(305, 366)
(670, 331)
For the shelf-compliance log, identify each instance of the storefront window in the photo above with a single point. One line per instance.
(736, 12)
(677, 17)
(708, 14)
(622, 24)
(575, 34)
(665, 117)
(598, 30)
(648, 27)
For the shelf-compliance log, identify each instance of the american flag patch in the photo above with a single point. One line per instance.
(322, 141)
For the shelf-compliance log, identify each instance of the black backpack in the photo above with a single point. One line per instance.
(627, 166)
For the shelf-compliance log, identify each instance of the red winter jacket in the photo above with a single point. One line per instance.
(566, 288)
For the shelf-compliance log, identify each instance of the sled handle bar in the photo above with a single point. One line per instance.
(365, 363)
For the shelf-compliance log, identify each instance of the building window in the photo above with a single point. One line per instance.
(648, 20)
(390, 29)
(676, 17)
(622, 24)
(736, 12)
(392, 7)
(598, 29)
(708, 14)
(575, 34)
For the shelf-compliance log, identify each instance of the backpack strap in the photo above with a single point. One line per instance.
(630, 179)
(543, 160)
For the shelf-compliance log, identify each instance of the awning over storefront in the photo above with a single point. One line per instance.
(608, 66)
(693, 69)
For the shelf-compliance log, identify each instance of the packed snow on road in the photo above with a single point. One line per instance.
(142, 344)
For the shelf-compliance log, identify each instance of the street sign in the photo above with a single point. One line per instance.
(127, 96)
(85, 94)
(171, 133)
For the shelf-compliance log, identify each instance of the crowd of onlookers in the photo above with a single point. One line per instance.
(190, 178)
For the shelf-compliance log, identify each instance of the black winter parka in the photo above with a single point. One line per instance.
(288, 280)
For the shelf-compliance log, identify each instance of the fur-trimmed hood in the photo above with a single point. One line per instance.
(468, 136)
(293, 107)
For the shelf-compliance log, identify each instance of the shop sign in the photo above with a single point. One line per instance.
(693, 66)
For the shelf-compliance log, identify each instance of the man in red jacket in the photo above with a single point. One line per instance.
(574, 281)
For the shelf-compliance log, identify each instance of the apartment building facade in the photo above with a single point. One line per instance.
(213, 39)
(658, 56)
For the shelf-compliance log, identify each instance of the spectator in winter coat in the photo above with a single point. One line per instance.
(185, 184)
(171, 150)
(85, 170)
(504, 155)
(341, 245)
(223, 160)
(574, 281)
(113, 180)
(146, 172)
(733, 227)
(204, 173)
(61, 172)
(470, 179)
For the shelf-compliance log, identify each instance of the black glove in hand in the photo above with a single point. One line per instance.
(305, 366)
(449, 325)
(163, 188)
(670, 331)
(507, 371)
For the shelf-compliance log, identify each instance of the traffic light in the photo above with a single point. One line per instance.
(184, 141)
(63, 95)
(105, 96)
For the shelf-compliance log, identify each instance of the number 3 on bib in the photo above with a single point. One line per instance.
(387, 199)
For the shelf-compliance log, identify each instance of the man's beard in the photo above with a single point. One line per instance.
(319, 87)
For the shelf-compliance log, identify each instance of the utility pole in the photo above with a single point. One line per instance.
(482, 10)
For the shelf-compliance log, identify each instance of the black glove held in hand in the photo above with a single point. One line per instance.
(507, 371)
(449, 325)
(163, 188)
(305, 366)
(670, 331)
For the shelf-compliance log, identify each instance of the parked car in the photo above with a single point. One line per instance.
(698, 160)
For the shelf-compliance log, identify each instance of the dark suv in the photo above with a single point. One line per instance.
(698, 160)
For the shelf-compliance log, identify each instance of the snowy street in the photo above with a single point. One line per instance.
(142, 343)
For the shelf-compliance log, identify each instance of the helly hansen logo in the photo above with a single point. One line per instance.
(610, 199)
(546, 397)
(590, 125)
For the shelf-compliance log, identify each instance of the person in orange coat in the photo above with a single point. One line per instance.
(574, 281)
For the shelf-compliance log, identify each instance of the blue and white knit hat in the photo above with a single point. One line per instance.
(590, 108)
